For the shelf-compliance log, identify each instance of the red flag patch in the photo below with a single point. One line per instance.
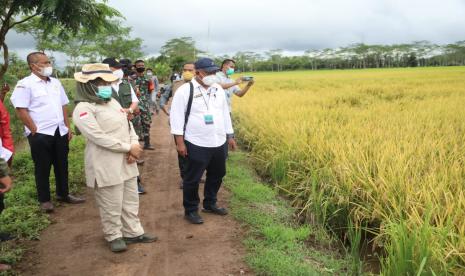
(83, 115)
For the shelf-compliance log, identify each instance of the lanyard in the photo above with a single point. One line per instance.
(207, 104)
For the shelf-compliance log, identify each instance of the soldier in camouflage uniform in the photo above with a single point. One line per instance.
(142, 83)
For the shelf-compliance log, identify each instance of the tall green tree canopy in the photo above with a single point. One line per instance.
(68, 16)
(179, 51)
(86, 45)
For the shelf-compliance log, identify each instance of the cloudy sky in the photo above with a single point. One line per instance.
(292, 25)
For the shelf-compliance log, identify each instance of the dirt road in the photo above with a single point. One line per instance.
(74, 244)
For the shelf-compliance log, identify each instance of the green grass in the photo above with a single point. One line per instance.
(22, 216)
(276, 243)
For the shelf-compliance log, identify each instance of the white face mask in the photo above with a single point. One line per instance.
(119, 74)
(46, 71)
(149, 74)
(210, 80)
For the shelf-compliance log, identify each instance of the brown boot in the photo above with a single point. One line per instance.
(46, 207)
(4, 267)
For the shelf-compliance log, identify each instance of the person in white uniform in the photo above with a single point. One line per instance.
(202, 139)
(41, 104)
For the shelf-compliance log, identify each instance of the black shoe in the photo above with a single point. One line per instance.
(147, 145)
(6, 237)
(140, 189)
(215, 210)
(71, 199)
(46, 207)
(193, 217)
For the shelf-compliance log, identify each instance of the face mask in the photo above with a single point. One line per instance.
(119, 74)
(210, 80)
(230, 71)
(140, 70)
(104, 92)
(46, 71)
(187, 76)
(149, 74)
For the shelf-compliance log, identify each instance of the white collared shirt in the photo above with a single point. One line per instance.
(44, 101)
(115, 86)
(231, 90)
(205, 102)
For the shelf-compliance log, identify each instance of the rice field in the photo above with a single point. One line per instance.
(378, 152)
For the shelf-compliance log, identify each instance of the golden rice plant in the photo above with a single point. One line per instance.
(381, 149)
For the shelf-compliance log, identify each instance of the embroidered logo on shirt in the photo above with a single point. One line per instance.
(198, 95)
(83, 115)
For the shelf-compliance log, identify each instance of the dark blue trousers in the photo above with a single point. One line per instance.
(213, 160)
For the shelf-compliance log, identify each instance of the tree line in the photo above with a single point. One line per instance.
(89, 30)
(355, 56)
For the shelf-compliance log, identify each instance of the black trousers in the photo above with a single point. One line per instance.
(182, 163)
(46, 151)
(200, 159)
(2, 205)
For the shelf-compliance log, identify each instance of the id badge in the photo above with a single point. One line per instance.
(208, 118)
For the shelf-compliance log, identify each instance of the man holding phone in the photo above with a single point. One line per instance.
(232, 86)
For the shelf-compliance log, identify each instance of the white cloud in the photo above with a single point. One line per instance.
(293, 25)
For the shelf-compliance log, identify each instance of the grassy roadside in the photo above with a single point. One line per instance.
(276, 243)
(22, 216)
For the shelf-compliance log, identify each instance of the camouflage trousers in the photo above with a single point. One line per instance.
(137, 123)
(146, 121)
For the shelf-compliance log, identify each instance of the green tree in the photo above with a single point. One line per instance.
(70, 16)
(116, 42)
(86, 45)
(179, 51)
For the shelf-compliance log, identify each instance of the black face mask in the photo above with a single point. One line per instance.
(126, 71)
(140, 70)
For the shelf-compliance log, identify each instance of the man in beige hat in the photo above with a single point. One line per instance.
(112, 149)
(40, 103)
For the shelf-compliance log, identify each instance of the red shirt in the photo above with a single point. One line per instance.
(5, 131)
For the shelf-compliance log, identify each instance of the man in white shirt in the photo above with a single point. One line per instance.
(203, 138)
(231, 87)
(40, 103)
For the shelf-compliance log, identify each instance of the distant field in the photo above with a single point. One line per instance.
(379, 150)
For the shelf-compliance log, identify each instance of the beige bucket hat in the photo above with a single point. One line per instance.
(93, 71)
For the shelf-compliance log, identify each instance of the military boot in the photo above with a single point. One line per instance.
(147, 145)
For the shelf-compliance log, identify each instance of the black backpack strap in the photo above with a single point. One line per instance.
(189, 105)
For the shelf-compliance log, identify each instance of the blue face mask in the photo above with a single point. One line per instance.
(230, 71)
(104, 92)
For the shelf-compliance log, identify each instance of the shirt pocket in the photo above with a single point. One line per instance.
(110, 122)
(39, 97)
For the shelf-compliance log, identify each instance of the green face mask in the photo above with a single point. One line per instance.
(230, 71)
